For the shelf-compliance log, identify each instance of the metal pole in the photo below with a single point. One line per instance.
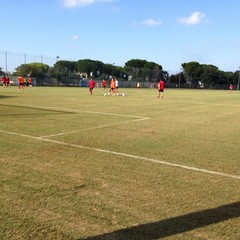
(179, 79)
(112, 69)
(6, 62)
(238, 80)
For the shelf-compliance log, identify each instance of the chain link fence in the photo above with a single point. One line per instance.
(9, 61)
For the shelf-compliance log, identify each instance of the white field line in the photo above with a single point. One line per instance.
(139, 118)
(117, 115)
(127, 155)
(92, 128)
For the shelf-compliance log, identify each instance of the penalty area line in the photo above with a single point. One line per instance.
(126, 155)
(92, 128)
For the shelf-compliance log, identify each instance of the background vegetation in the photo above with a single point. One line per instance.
(192, 74)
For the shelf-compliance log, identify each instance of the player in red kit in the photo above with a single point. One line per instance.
(4, 81)
(91, 85)
(161, 86)
(104, 84)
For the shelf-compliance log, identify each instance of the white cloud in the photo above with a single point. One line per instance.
(151, 22)
(80, 3)
(194, 19)
(75, 37)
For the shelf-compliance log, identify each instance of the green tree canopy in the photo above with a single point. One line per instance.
(207, 74)
(192, 71)
(144, 70)
(65, 68)
(135, 63)
(90, 66)
(34, 69)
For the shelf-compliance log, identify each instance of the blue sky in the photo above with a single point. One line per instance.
(168, 32)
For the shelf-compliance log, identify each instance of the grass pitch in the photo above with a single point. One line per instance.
(75, 166)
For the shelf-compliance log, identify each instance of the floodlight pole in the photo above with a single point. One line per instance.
(113, 69)
(238, 80)
(6, 60)
(179, 78)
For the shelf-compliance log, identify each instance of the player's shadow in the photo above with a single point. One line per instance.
(174, 225)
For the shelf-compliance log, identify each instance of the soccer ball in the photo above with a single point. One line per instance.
(105, 94)
(123, 94)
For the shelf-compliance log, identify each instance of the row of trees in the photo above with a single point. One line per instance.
(134, 69)
(204, 75)
(192, 74)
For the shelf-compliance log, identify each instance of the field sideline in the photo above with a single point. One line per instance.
(75, 166)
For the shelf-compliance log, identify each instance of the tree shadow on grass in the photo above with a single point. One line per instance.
(6, 96)
(174, 225)
(39, 109)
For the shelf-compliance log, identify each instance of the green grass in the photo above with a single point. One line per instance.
(75, 166)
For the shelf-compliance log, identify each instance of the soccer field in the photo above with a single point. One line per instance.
(75, 166)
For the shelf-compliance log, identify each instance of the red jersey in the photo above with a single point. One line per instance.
(92, 83)
(104, 83)
(161, 85)
(4, 79)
